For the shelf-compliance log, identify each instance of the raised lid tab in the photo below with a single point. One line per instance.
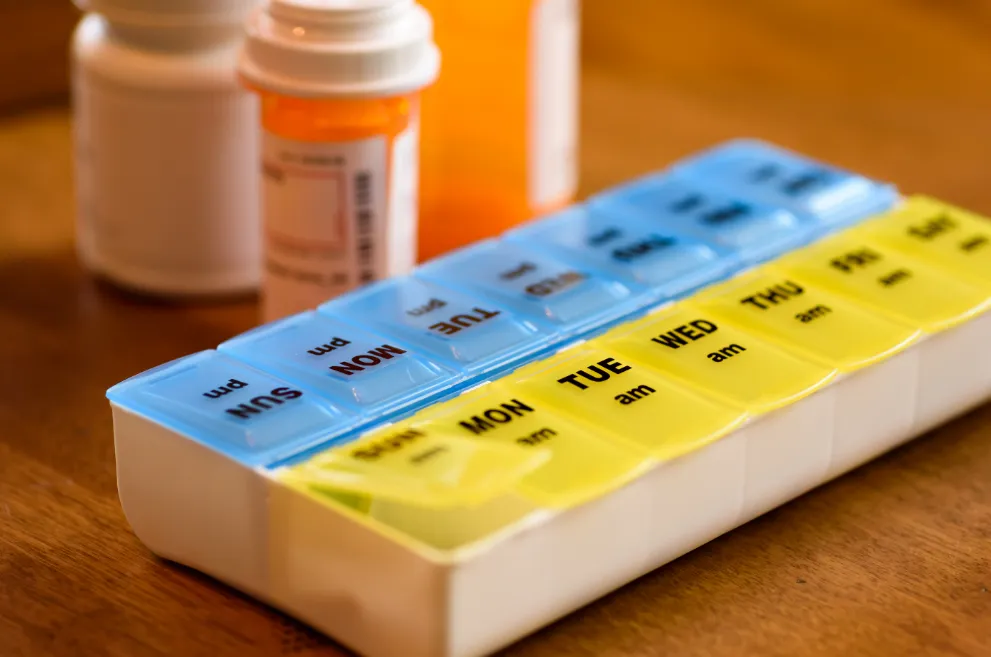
(353, 366)
(665, 262)
(752, 232)
(548, 290)
(419, 466)
(235, 409)
(629, 402)
(582, 466)
(888, 281)
(821, 325)
(717, 358)
(471, 333)
(826, 195)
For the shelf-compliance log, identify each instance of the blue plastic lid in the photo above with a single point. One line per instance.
(351, 365)
(551, 291)
(644, 254)
(750, 231)
(235, 409)
(470, 333)
(828, 196)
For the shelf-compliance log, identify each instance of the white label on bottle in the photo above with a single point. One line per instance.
(402, 234)
(329, 227)
(554, 70)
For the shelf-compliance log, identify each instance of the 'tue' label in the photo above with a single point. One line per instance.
(605, 370)
(628, 402)
(441, 318)
(462, 321)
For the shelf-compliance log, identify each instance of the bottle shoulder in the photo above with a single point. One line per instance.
(99, 52)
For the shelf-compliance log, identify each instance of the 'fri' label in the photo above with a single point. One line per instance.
(865, 258)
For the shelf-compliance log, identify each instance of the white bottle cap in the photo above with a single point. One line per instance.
(169, 13)
(340, 48)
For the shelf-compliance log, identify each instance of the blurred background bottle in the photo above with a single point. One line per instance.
(340, 85)
(500, 126)
(166, 146)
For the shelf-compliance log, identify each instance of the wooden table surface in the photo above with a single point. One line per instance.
(893, 559)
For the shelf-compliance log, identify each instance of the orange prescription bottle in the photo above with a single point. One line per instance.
(339, 83)
(500, 126)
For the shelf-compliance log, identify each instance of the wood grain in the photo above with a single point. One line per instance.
(34, 53)
(893, 559)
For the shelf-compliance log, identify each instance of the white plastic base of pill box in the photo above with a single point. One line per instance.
(382, 598)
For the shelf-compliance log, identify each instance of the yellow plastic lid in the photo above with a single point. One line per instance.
(887, 281)
(717, 358)
(419, 466)
(629, 402)
(807, 318)
(941, 234)
(582, 465)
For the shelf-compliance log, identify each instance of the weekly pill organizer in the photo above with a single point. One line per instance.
(438, 464)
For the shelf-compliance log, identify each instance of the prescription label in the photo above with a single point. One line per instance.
(717, 358)
(888, 281)
(329, 223)
(553, 125)
(943, 235)
(821, 325)
(403, 198)
(582, 465)
(627, 401)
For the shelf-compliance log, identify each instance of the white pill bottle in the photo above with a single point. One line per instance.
(166, 147)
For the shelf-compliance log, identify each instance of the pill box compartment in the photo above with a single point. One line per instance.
(951, 313)
(383, 593)
(203, 482)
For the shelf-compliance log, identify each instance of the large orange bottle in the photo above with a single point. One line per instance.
(500, 127)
